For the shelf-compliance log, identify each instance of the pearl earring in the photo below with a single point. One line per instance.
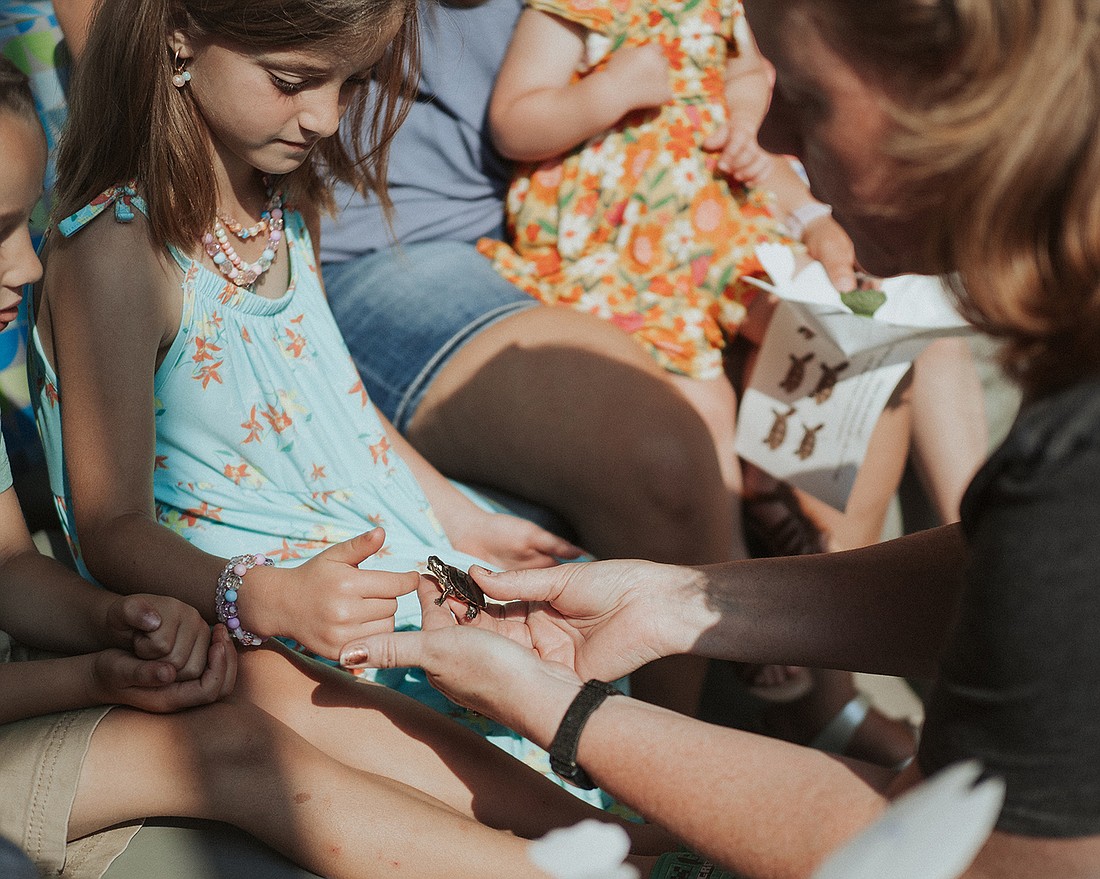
(181, 76)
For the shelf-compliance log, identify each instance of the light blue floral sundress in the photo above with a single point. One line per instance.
(267, 441)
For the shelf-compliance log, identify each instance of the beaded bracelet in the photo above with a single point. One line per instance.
(225, 599)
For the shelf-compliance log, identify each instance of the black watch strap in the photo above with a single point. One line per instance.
(563, 750)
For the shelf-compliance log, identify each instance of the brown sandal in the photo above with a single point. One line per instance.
(775, 525)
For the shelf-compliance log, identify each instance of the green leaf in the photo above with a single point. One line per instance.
(864, 302)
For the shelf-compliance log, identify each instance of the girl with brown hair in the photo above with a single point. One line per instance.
(204, 422)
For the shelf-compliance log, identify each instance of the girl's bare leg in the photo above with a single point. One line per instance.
(232, 762)
(877, 481)
(379, 731)
(566, 410)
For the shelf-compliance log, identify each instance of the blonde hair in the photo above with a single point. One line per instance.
(998, 132)
(127, 121)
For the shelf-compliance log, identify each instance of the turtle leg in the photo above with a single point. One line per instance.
(471, 612)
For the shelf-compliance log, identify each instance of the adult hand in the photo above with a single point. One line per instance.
(641, 74)
(329, 600)
(508, 541)
(598, 619)
(159, 627)
(153, 685)
(474, 667)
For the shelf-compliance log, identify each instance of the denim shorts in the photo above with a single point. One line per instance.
(405, 311)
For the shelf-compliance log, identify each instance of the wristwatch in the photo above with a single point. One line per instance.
(563, 749)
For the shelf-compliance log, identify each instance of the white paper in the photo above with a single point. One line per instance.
(588, 850)
(933, 831)
(824, 374)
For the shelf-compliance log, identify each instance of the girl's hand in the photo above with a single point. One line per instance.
(156, 627)
(328, 601)
(509, 542)
(740, 155)
(828, 243)
(641, 75)
(121, 678)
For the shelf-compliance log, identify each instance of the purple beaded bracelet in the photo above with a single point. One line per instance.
(229, 586)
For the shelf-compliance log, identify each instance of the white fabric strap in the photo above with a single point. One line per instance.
(803, 215)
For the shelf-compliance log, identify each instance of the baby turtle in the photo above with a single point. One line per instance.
(456, 583)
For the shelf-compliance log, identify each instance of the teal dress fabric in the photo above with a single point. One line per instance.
(267, 442)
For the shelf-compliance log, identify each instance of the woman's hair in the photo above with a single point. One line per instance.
(998, 136)
(15, 91)
(127, 121)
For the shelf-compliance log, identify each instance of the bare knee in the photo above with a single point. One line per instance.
(669, 502)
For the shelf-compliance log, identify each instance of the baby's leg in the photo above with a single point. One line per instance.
(232, 762)
(877, 481)
(377, 730)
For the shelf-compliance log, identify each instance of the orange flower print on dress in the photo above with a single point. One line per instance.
(642, 201)
(254, 427)
(379, 451)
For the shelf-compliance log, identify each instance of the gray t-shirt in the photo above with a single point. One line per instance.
(446, 180)
(1020, 684)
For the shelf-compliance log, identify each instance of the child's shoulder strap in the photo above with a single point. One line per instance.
(124, 198)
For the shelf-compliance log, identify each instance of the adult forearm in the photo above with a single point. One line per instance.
(763, 807)
(760, 806)
(884, 609)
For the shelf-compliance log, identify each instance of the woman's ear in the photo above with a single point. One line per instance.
(180, 45)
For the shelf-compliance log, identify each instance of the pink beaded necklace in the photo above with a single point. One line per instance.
(229, 263)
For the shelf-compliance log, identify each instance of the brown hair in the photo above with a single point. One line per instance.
(15, 91)
(127, 121)
(998, 124)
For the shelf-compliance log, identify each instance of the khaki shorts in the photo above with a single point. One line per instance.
(40, 761)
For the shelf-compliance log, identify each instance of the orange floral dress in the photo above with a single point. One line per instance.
(635, 225)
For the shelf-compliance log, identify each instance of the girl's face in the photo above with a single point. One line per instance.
(829, 115)
(266, 110)
(23, 146)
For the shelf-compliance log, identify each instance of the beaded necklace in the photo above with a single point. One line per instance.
(229, 263)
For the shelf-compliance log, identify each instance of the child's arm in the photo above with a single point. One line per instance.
(135, 649)
(749, 82)
(825, 239)
(45, 605)
(32, 584)
(113, 677)
(112, 308)
(538, 112)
